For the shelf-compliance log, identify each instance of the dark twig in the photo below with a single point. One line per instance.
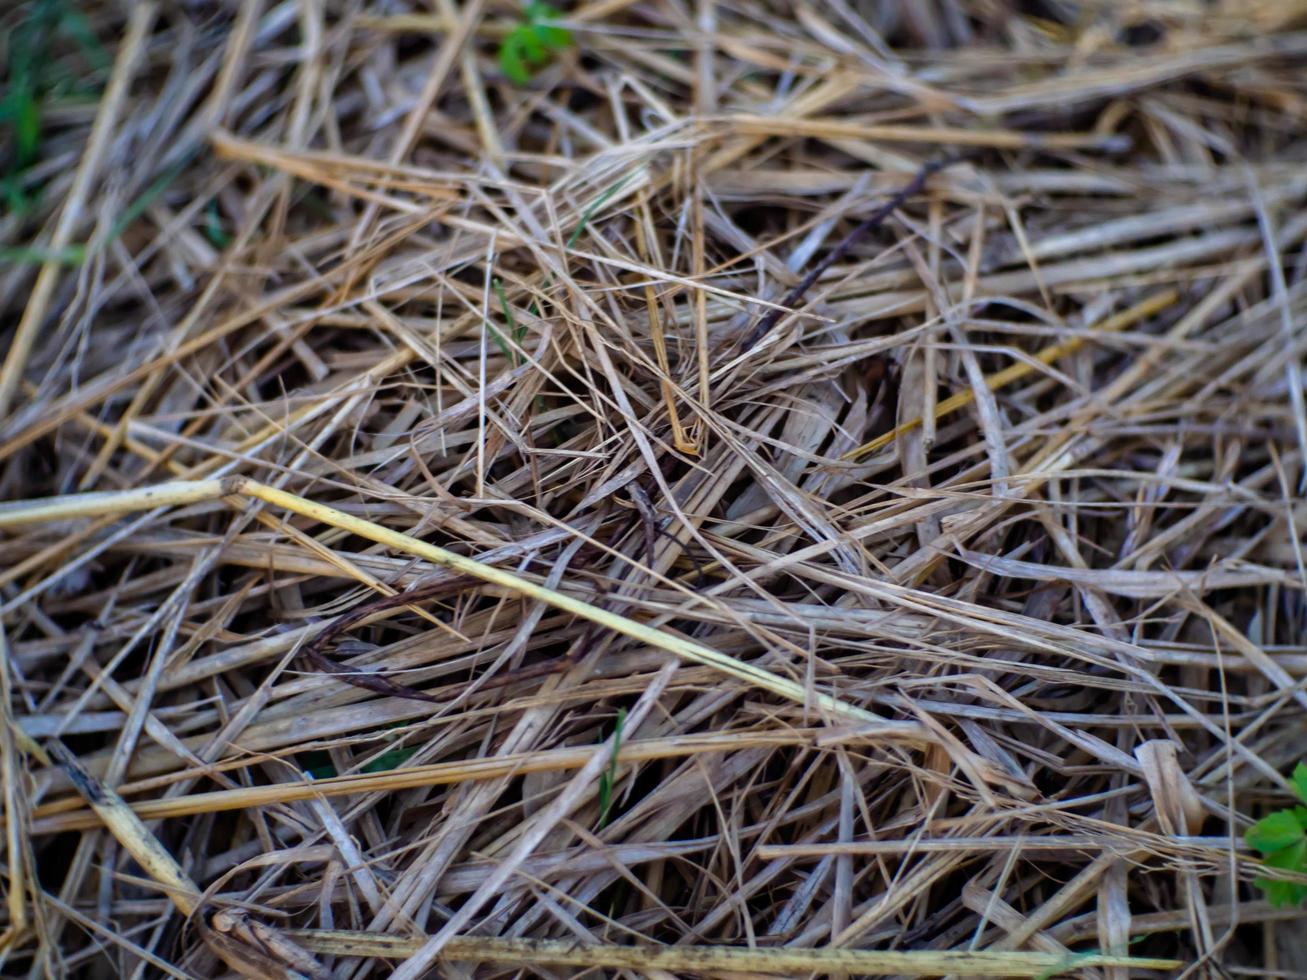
(876, 219)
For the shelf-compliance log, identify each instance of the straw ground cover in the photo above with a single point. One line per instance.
(719, 489)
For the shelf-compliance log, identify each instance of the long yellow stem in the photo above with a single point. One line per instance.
(189, 492)
(706, 959)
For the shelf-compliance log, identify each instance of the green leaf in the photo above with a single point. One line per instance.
(511, 60)
(605, 798)
(148, 196)
(541, 16)
(213, 226)
(512, 324)
(71, 255)
(594, 206)
(1275, 832)
(533, 48)
(1300, 781)
(1291, 858)
(1282, 893)
(514, 330)
(17, 199)
(531, 41)
(554, 38)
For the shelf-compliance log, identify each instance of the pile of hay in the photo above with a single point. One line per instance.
(783, 587)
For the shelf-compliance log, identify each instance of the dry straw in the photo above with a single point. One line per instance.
(787, 489)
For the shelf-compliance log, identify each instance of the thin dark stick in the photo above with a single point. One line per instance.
(877, 218)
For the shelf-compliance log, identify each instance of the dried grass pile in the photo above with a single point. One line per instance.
(480, 581)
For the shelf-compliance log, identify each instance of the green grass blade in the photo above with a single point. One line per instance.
(32, 254)
(594, 206)
(608, 779)
(513, 330)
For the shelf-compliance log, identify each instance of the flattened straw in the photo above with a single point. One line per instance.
(15, 810)
(183, 492)
(61, 815)
(425, 955)
(873, 221)
(998, 139)
(232, 327)
(1015, 372)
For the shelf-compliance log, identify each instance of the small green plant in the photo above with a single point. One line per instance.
(530, 43)
(608, 779)
(594, 206)
(36, 77)
(517, 333)
(1281, 840)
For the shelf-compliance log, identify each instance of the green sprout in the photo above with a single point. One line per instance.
(517, 333)
(530, 43)
(608, 779)
(1281, 840)
(594, 206)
